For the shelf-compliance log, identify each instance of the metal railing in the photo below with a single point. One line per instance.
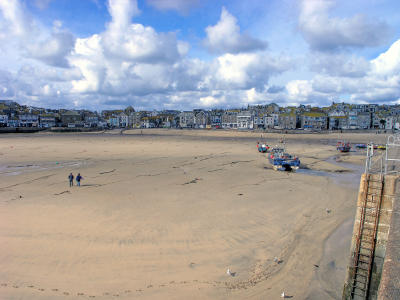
(392, 154)
(384, 162)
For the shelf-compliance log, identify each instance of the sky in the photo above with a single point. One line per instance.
(191, 54)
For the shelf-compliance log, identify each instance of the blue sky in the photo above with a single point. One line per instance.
(185, 54)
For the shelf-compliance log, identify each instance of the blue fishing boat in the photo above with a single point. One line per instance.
(361, 146)
(282, 161)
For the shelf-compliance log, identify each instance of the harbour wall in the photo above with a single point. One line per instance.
(385, 272)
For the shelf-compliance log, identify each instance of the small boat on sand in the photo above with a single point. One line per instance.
(361, 146)
(282, 161)
(263, 148)
(343, 147)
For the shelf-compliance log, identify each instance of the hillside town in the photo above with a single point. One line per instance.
(337, 116)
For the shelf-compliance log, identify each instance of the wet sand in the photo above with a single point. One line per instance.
(162, 214)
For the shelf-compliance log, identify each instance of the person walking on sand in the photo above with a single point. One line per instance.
(78, 179)
(71, 179)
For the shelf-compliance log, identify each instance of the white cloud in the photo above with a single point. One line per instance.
(129, 41)
(339, 64)
(122, 12)
(15, 21)
(141, 43)
(210, 101)
(225, 37)
(247, 70)
(31, 38)
(381, 83)
(388, 63)
(299, 90)
(54, 49)
(129, 63)
(326, 33)
(126, 58)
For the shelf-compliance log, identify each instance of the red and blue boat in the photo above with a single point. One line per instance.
(282, 161)
(343, 147)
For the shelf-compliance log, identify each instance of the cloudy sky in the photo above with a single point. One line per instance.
(185, 54)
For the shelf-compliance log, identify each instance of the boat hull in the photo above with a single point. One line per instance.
(343, 149)
(281, 164)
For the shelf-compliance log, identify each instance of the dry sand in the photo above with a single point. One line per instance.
(162, 214)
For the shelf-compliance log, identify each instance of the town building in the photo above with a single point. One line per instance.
(28, 120)
(288, 121)
(186, 119)
(245, 120)
(71, 119)
(268, 121)
(3, 120)
(314, 120)
(201, 119)
(47, 121)
(229, 119)
(337, 120)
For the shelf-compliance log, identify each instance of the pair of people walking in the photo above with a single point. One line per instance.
(78, 179)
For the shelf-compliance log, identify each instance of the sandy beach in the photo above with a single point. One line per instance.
(162, 214)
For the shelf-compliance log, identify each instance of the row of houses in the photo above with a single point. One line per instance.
(338, 116)
(67, 119)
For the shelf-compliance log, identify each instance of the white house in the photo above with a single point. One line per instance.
(245, 120)
(123, 120)
(28, 120)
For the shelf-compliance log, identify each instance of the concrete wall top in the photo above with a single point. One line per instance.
(389, 288)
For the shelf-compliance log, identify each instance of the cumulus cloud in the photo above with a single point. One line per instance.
(126, 58)
(181, 6)
(225, 37)
(380, 83)
(211, 101)
(339, 64)
(134, 59)
(54, 49)
(388, 63)
(246, 70)
(31, 38)
(134, 41)
(326, 33)
(129, 63)
(122, 12)
(15, 21)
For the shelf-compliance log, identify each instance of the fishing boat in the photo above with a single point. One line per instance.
(361, 146)
(277, 149)
(262, 148)
(381, 147)
(282, 161)
(343, 147)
